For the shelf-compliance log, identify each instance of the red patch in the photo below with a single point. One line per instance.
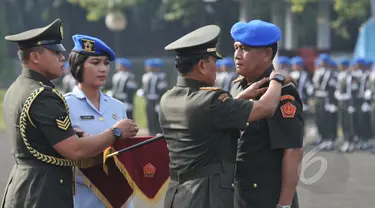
(288, 110)
(149, 170)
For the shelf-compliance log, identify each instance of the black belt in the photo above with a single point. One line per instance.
(208, 170)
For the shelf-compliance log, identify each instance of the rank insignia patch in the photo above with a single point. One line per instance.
(149, 170)
(288, 110)
(63, 122)
(223, 97)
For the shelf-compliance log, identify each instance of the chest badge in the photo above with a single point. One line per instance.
(149, 170)
(288, 110)
(114, 116)
(87, 117)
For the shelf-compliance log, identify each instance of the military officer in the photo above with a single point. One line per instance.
(201, 123)
(269, 150)
(44, 144)
(154, 85)
(124, 85)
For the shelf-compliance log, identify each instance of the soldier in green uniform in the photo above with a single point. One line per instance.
(201, 123)
(44, 144)
(270, 149)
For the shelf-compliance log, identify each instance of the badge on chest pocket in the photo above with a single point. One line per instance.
(89, 117)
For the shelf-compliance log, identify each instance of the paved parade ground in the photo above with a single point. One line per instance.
(328, 180)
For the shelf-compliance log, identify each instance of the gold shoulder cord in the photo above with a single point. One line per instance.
(23, 124)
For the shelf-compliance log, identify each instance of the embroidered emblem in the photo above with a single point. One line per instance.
(288, 110)
(149, 170)
(287, 97)
(63, 122)
(88, 45)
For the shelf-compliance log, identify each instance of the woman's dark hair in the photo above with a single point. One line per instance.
(185, 64)
(76, 61)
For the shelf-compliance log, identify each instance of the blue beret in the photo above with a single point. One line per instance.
(219, 63)
(283, 60)
(298, 60)
(66, 65)
(256, 33)
(124, 62)
(323, 57)
(359, 60)
(155, 62)
(368, 62)
(332, 62)
(228, 62)
(344, 61)
(92, 46)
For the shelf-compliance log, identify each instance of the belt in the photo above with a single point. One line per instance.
(202, 172)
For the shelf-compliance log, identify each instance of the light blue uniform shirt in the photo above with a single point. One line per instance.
(85, 116)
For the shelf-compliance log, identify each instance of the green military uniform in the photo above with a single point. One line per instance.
(261, 149)
(37, 118)
(200, 124)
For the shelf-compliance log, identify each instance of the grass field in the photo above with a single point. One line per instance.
(139, 111)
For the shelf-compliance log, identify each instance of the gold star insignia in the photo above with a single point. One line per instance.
(88, 45)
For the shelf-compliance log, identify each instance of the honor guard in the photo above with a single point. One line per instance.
(265, 146)
(226, 74)
(200, 123)
(44, 143)
(365, 132)
(345, 89)
(68, 81)
(304, 84)
(322, 82)
(124, 85)
(154, 85)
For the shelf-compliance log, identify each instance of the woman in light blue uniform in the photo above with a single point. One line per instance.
(90, 109)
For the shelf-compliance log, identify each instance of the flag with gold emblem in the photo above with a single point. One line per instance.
(146, 169)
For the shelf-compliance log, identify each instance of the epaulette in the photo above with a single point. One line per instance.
(210, 88)
(238, 79)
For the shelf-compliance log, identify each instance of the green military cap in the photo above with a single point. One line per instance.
(49, 36)
(199, 42)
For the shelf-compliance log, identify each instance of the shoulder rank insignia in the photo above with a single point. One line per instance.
(287, 97)
(149, 170)
(238, 79)
(210, 88)
(223, 97)
(288, 110)
(63, 122)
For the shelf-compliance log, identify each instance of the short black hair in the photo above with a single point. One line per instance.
(76, 61)
(24, 54)
(274, 48)
(185, 64)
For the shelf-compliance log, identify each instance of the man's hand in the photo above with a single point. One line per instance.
(254, 90)
(128, 128)
(286, 75)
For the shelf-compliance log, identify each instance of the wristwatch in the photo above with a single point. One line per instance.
(279, 78)
(282, 206)
(116, 132)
